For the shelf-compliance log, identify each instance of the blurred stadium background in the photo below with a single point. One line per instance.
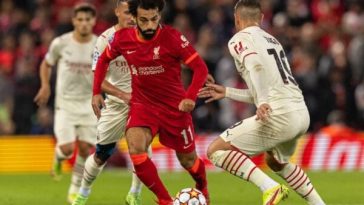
(324, 40)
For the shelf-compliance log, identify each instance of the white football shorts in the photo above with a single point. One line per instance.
(111, 125)
(69, 126)
(279, 134)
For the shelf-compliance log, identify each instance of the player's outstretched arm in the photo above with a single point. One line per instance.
(44, 92)
(241, 95)
(212, 92)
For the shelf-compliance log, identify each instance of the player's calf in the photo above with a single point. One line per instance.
(196, 168)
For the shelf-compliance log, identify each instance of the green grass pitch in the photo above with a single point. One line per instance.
(337, 188)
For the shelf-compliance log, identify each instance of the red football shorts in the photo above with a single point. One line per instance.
(175, 128)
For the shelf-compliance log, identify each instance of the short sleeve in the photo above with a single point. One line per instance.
(241, 46)
(183, 47)
(54, 51)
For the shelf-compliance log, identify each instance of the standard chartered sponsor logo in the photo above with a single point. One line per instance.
(148, 70)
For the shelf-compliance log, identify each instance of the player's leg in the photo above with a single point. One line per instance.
(86, 141)
(84, 149)
(134, 194)
(296, 178)
(278, 160)
(93, 167)
(196, 168)
(139, 139)
(66, 136)
(231, 152)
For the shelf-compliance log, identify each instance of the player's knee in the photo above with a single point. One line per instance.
(138, 140)
(103, 152)
(84, 149)
(210, 151)
(273, 164)
(187, 161)
(66, 150)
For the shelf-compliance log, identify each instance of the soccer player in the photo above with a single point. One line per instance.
(72, 53)
(111, 125)
(281, 116)
(159, 103)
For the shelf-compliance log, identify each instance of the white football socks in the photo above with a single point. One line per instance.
(89, 175)
(240, 165)
(76, 175)
(136, 184)
(299, 181)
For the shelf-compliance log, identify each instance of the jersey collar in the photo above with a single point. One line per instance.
(144, 40)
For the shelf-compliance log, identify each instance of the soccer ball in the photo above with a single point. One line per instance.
(189, 196)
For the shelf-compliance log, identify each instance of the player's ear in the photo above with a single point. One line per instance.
(93, 21)
(261, 18)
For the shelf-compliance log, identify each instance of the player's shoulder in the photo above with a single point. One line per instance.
(106, 35)
(108, 32)
(63, 38)
(125, 31)
(169, 30)
(241, 36)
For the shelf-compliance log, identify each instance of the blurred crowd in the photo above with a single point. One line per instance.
(323, 39)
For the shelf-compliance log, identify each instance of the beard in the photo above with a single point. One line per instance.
(147, 34)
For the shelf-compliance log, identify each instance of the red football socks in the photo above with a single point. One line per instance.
(147, 173)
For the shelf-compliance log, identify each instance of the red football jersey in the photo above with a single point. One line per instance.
(155, 65)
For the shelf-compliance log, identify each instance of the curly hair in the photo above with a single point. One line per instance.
(145, 4)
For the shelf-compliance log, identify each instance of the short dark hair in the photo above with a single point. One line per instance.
(84, 7)
(145, 4)
(250, 9)
(118, 2)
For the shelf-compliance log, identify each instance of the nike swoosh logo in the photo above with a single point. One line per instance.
(130, 52)
(186, 146)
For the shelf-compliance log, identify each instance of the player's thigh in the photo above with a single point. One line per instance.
(247, 135)
(86, 128)
(111, 125)
(64, 127)
(299, 123)
(144, 116)
(254, 137)
(178, 132)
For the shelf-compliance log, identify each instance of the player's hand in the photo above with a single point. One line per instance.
(124, 96)
(97, 103)
(43, 95)
(212, 92)
(186, 105)
(263, 112)
(210, 79)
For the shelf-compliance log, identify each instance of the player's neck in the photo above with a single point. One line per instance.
(248, 24)
(117, 27)
(82, 39)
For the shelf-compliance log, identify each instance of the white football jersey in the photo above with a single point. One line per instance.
(118, 73)
(262, 63)
(74, 74)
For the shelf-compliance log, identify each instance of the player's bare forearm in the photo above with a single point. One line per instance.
(44, 92)
(212, 92)
(110, 89)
